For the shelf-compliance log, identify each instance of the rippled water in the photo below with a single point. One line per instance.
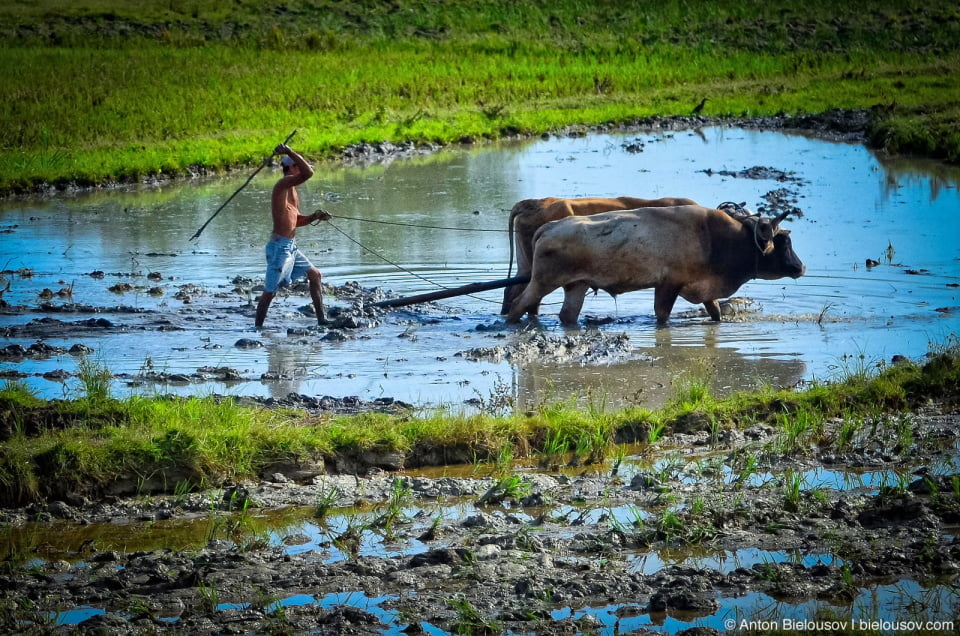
(841, 316)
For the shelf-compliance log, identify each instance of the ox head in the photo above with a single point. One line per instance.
(780, 261)
(765, 229)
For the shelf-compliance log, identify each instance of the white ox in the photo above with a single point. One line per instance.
(528, 215)
(698, 253)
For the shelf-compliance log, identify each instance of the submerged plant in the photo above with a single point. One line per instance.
(209, 598)
(669, 468)
(400, 496)
(905, 436)
(555, 446)
(799, 429)
(504, 458)
(512, 487)
(181, 491)
(618, 457)
(350, 539)
(591, 446)
(325, 502)
(270, 605)
(431, 533)
(470, 621)
(670, 525)
(793, 491)
(849, 428)
(655, 432)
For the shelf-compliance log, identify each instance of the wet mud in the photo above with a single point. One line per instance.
(355, 312)
(668, 537)
(351, 311)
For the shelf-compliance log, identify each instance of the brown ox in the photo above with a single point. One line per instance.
(691, 251)
(528, 215)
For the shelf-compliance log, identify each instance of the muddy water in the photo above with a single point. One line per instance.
(842, 316)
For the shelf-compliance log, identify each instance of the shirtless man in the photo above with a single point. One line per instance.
(285, 263)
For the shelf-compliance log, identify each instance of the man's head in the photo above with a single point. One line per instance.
(287, 163)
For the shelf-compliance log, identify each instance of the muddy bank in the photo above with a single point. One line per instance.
(667, 537)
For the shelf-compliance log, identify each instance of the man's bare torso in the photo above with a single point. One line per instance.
(285, 206)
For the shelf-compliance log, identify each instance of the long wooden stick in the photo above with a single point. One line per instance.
(472, 288)
(249, 179)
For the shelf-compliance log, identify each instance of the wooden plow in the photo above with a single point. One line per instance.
(472, 288)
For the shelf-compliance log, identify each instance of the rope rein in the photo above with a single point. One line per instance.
(428, 227)
(397, 265)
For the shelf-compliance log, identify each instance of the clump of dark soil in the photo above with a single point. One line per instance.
(592, 346)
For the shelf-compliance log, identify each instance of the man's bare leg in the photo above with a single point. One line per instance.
(262, 306)
(316, 294)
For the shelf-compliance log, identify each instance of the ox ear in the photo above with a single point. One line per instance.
(764, 233)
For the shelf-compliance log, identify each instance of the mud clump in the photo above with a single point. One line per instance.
(758, 172)
(590, 347)
(346, 405)
(53, 328)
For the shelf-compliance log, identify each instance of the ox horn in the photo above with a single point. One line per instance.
(776, 220)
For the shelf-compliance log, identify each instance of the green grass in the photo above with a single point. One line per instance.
(103, 90)
(56, 447)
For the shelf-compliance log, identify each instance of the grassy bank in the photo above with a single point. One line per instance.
(105, 90)
(82, 446)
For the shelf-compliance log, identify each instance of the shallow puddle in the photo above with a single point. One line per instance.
(724, 561)
(298, 529)
(903, 606)
(880, 608)
(358, 600)
(842, 316)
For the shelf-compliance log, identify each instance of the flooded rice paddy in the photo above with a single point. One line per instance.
(152, 305)
(699, 532)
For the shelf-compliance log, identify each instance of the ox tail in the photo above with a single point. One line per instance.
(521, 207)
(507, 295)
(513, 216)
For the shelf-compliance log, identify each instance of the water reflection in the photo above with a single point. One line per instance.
(288, 365)
(856, 206)
(666, 359)
(939, 177)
